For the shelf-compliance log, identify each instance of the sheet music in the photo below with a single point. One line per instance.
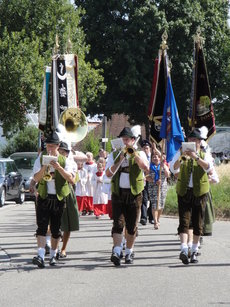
(117, 144)
(188, 146)
(46, 159)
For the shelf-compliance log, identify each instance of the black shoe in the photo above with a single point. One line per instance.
(184, 257)
(115, 258)
(194, 258)
(143, 222)
(83, 212)
(38, 261)
(47, 250)
(52, 261)
(58, 255)
(151, 221)
(128, 259)
(91, 212)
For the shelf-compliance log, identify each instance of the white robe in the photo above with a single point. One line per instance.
(90, 169)
(98, 196)
(80, 189)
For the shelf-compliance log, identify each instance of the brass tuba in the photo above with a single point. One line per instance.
(75, 124)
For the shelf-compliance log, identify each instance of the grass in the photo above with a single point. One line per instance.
(220, 195)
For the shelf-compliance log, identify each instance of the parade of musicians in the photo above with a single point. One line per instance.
(146, 190)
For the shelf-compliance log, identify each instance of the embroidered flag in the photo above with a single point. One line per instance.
(156, 105)
(201, 108)
(170, 127)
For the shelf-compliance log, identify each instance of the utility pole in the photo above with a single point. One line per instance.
(104, 128)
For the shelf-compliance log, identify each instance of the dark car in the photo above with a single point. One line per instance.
(25, 162)
(11, 182)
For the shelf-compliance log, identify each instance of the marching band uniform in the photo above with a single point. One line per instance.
(70, 216)
(51, 199)
(127, 185)
(192, 189)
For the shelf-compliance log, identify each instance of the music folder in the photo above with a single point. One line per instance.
(188, 146)
(46, 159)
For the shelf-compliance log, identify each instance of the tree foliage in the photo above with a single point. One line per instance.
(26, 140)
(125, 36)
(27, 37)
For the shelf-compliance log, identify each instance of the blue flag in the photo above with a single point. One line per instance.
(170, 126)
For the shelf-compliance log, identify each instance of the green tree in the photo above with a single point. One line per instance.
(26, 140)
(27, 36)
(125, 36)
(91, 143)
(183, 20)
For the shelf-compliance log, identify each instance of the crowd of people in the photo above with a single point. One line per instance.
(128, 184)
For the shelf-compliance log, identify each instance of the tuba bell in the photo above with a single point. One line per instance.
(75, 124)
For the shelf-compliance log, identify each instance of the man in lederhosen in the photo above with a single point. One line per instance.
(127, 185)
(51, 198)
(192, 190)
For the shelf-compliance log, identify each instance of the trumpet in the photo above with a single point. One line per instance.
(183, 158)
(129, 150)
(47, 175)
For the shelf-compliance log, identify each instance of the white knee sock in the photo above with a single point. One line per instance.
(117, 249)
(128, 251)
(41, 252)
(48, 240)
(184, 247)
(53, 253)
(194, 248)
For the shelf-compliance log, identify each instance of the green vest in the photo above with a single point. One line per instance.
(61, 185)
(135, 177)
(199, 176)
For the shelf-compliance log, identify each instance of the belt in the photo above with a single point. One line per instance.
(52, 196)
(125, 169)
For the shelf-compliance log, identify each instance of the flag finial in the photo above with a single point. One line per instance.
(198, 38)
(164, 37)
(56, 47)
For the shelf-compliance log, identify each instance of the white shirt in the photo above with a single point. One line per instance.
(124, 177)
(51, 184)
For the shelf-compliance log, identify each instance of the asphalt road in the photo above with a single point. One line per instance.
(88, 278)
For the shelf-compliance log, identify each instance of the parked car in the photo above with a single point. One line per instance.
(25, 162)
(11, 182)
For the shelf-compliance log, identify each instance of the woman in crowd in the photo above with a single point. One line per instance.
(156, 183)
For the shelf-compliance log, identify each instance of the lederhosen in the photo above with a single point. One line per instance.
(125, 207)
